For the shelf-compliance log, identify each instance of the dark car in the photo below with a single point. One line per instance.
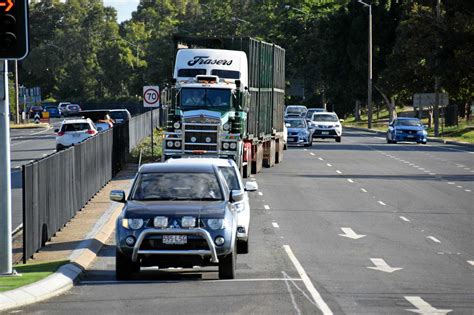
(35, 109)
(120, 115)
(53, 111)
(177, 216)
(71, 110)
(298, 132)
(406, 129)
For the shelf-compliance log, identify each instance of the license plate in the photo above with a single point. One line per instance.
(325, 132)
(410, 137)
(175, 239)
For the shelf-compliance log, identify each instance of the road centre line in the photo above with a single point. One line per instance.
(404, 218)
(459, 186)
(329, 164)
(364, 190)
(267, 207)
(434, 239)
(350, 180)
(451, 183)
(307, 282)
(467, 190)
(275, 225)
(320, 158)
(338, 171)
(94, 282)
(382, 203)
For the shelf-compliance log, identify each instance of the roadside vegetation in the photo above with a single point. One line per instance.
(30, 273)
(143, 149)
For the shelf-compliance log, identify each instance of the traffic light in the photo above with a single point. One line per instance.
(13, 29)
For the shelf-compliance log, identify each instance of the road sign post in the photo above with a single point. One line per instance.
(5, 188)
(151, 99)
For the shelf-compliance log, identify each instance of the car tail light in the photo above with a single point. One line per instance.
(61, 133)
(91, 132)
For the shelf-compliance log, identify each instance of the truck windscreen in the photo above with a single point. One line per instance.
(195, 98)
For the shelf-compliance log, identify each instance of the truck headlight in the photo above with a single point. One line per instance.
(132, 224)
(160, 222)
(233, 146)
(177, 144)
(169, 144)
(216, 224)
(225, 145)
(188, 222)
(226, 126)
(176, 125)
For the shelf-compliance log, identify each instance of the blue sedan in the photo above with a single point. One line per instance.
(298, 132)
(406, 129)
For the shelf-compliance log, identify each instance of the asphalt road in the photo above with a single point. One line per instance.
(358, 227)
(27, 145)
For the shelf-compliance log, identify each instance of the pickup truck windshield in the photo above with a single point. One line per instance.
(204, 98)
(177, 186)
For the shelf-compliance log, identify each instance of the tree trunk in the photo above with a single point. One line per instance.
(390, 105)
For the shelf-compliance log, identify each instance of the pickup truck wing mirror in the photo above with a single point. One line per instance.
(117, 196)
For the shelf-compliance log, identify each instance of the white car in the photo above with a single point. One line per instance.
(232, 176)
(74, 131)
(326, 125)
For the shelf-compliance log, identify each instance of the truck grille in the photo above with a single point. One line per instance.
(201, 132)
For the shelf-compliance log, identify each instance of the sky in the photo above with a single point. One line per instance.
(124, 8)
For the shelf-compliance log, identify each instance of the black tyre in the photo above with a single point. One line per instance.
(227, 265)
(124, 266)
(424, 142)
(243, 247)
(338, 139)
(285, 147)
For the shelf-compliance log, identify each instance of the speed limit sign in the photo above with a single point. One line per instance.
(151, 96)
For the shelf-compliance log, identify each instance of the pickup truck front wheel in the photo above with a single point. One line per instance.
(124, 266)
(227, 265)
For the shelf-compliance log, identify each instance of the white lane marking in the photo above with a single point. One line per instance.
(404, 218)
(432, 174)
(298, 288)
(470, 262)
(382, 203)
(421, 168)
(381, 265)
(320, 158)
(307, 282)
(426, 171)
(423, 307)
(275, 225)
(267, 207)
(467, 168)
(434, 239)
(305, 149)
(260, 193)
(379, 138)
(459, 186)
(451, 183)
(350, 180)
(328, 164)
(467, 190)
(338, 171)
(35, 133)
(459, 165)
(349, 233)
(295, 306)
(411, 164)
(363, 189)
(312, 153)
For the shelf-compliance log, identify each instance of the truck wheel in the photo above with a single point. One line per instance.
(227, 265)
(243, 247)
(124, 267)
(338, 139)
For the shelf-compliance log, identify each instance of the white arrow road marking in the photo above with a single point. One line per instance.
(434, 239)
(338, 171)
(350, 180)
(404, 219)
(382, 203)
(381, 265)
(423, 307)
(329, 164)
(312, 153)
(349, 233)
(260, 193)
(275, 225)
(307, 282)
(470, 262)
(267, 207)
(363, 189)
(321, 159)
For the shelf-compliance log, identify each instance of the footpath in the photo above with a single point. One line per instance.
(78, 242)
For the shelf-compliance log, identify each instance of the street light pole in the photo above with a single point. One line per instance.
(369, 80)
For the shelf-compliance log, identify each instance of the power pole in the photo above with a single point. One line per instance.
(369, 83)
(436, 85)
(5, 175)
(17, 102)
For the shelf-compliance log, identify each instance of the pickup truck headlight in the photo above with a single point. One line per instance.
(132, 224)
(216, 224)
(160, 222)
(421, 132)
(188, 222)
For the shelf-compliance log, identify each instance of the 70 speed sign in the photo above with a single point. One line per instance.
(151, 96)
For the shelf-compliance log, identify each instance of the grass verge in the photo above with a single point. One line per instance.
(30, 273)
(29, 125)
(145, 148)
